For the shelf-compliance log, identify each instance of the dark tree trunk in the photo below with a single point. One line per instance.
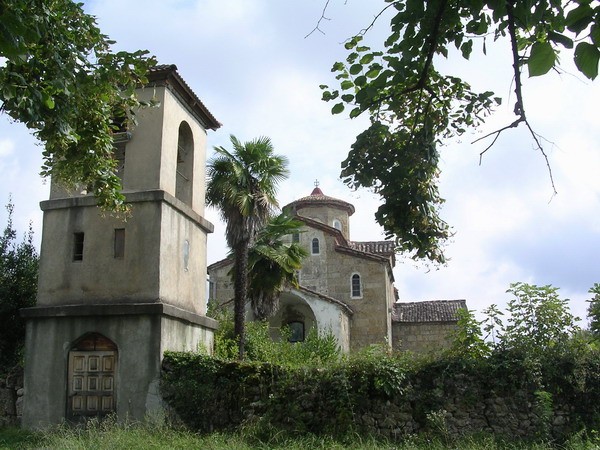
(240, 294)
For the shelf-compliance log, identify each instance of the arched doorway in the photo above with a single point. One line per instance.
(294, 313)
(91, 377)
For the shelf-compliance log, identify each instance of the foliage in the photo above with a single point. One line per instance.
(413, 107)
(242, 185)
(538, 319)
(62, 81)
(356, 395)
(272, 264)
(262, 347)
(18, 288)
(467, 338)
(594, 310)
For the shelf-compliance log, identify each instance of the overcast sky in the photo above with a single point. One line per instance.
(250, 63)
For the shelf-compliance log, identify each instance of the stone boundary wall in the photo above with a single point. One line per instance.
(11, 398)
(503, 397)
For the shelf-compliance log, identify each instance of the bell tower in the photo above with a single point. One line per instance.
(113, 295)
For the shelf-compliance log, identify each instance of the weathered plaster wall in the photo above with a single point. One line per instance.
(141, 339)
(182, 261)
(131, 279)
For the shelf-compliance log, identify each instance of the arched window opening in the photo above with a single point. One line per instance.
(91, 377)
(296, 237)
(185, 164)
(315, 248)
(296, 331)
(356, 286)
(337, 224)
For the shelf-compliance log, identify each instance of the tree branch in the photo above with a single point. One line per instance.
(519, 108)
(365, 30)
(316, 28)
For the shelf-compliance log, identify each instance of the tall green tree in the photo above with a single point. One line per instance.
(62, 80)
(538, 319)
(594, 310)
(413, 107)
(18, 288)
(273, 264)
(242, 184)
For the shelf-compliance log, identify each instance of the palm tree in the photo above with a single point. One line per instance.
(272, 264)
(242, 185)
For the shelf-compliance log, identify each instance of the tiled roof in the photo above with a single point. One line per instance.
(340, 303)
(317, 197)
(428, 311)
(377, 247)
(168, 73)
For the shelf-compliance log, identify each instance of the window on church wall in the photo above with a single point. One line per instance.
(315, 247)
(78, 239)
(119, 243)
(185, 164)
(296, 331)
(356, 286)
(337, 224)
(296, 237)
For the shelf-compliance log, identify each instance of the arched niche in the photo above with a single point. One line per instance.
(185, 164)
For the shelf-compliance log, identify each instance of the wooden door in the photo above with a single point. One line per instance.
(91, 383)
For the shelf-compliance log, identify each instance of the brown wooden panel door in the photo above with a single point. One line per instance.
(91, 388)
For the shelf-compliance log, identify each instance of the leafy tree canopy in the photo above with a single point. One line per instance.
(413, 107)
(594, 310)
(18, 288)
(242, 184)
(61, 79)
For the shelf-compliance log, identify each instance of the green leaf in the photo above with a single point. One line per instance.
(541, 59)
(466, 48)
(373, 72)
(366, 59)
(355, 112)
(560, 39)
(586, 59)
(595, 35)
(579, 18)
(337, 108)
(348, 98)
(360, 81)
(346, 84)
(355, 69)
(337, 67)
(49, 102)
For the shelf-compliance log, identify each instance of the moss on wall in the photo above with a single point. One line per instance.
(507, 394)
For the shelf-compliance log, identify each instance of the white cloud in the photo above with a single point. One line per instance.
(7, 147)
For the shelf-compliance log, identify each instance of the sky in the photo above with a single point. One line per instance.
(253, 66)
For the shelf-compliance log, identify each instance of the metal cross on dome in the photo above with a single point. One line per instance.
(316, 183)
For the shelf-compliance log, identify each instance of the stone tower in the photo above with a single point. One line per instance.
(114, 295)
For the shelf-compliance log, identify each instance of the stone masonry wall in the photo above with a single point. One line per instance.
(11, 398)
(422, 337)
(455, 397)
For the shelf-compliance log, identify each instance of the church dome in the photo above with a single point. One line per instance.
(318, 199)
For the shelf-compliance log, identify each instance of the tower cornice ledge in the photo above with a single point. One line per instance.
(151, 195)
(119, 309)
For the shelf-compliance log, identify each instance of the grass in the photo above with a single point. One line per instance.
(110, 435)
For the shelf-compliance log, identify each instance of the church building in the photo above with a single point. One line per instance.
(347, 287)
